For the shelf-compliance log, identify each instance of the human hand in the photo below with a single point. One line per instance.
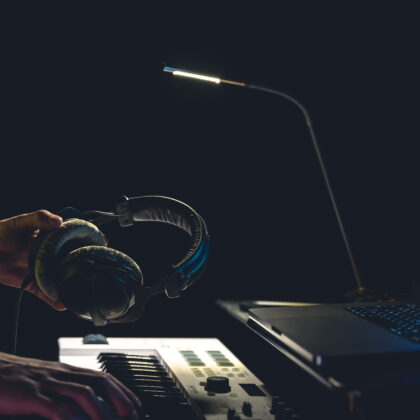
(16, 236)
(37, 387)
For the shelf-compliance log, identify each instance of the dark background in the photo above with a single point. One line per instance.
(87, 114)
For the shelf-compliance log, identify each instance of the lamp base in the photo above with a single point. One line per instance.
(362, 294)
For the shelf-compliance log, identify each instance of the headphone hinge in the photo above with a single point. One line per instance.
(171, 281)
(125, 215)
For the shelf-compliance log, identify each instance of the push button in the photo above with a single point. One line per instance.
(247, 408)
(191, 358)
(231, 413)
(218, 384)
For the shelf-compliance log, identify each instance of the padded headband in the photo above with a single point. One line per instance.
(154, 208)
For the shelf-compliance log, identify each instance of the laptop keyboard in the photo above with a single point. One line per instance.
(400, 319)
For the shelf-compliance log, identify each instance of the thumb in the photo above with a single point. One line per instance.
(41, 219)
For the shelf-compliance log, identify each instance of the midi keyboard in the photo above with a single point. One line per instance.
(180, 378)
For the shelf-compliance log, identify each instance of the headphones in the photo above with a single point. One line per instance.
(73, 264)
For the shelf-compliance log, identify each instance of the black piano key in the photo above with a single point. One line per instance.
(122, 356)
(133, 367)
(149, 380)
(134, 371)
(170, 392)
(131, 382)
(142, 375)
(126, 360)
(155, 386)
(150, 392)
(133, 364)
(155, 396)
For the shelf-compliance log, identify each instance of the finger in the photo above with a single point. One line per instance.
(124, 401)
(133, 397)
(44, 407)
(41, 219)
(103, 384)
(82, 395)
(34, 289)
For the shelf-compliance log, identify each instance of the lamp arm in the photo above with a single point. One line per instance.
(324, 174)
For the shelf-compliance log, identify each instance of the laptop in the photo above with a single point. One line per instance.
(331, 336)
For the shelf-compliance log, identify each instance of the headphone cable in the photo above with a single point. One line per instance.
(17, 313)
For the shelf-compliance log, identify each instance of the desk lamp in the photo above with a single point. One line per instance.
(360, 293)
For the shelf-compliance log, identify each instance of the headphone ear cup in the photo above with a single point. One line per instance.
(98, 282)
(50, 246)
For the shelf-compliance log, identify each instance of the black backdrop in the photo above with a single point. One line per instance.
(87, 114)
